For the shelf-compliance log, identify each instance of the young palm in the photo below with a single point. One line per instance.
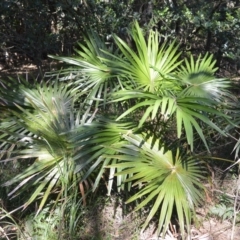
(160, 91)
(61, 129)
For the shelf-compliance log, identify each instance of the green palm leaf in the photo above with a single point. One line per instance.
(149, 64)
(42, 139)
(166, 180)
(92, 73)
(198, 77)
(45, 132)
(187, 111)
(191, 94)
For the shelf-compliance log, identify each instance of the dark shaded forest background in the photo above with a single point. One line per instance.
(32, 29)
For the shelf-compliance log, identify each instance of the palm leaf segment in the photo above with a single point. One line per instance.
(13, 89)
(166, 180)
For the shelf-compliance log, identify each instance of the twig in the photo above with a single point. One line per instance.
(237, 162)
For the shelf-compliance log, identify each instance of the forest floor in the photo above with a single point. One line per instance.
(214, 219)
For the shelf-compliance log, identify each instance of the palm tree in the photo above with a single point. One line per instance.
(123, 110)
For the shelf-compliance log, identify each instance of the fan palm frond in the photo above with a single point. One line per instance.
(198, 77)
(91, 72)
(166, 180)
(150, 64)
(43, 134)
(186, 110)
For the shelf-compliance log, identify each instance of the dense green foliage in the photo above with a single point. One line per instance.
(137, 107)
(31, 29)
(134, 112)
